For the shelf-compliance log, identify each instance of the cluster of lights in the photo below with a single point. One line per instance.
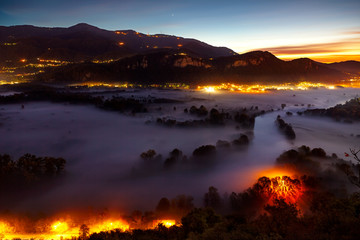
(104, 61)
(2, 82)
(120, 33)
(53, 61)
(130, 85)
(258, 88)
(9, 44)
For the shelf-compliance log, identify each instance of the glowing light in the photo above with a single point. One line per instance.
(258, 88)
(5, 228)
(23, 60)
(209, 89)
(121, 43)
(109, 225)
(166, 222)
(179, 45)
(60, 227)
(275, 172)
(286, 188)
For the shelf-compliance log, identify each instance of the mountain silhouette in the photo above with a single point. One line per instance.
(159, 58)
(83, 42)
(175, 65)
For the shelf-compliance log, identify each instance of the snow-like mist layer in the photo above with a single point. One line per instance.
(102, 148)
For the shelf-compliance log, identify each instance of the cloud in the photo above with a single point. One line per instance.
(335, 47)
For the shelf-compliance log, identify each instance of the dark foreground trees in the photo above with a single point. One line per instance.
(328, 218)
(28, 169)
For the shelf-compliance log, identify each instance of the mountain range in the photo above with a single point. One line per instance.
(144, 58)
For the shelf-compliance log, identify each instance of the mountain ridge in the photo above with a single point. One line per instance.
(31, 42)
(175, 65)
(127, 55)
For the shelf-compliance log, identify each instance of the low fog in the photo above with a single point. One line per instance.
(102, 148)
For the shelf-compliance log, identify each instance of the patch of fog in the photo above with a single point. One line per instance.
(102, 148)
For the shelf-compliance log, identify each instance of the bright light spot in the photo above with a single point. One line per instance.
(60, 227)
(331, 87)
(167, 223)
(110, 225)
(121, 43)
(275, 172)
(209, 89)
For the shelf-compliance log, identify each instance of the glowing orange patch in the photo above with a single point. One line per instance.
(286, 188)
(109, 225)
(166, 222)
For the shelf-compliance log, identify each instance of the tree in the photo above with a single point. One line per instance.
(348, 168)
(148, 155)
(182, 204)
(163, 205)
(212, 199)
(198, 220)
(84, 232)
(205, 150)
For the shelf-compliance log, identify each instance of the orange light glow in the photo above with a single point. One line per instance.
(109, 225)
(166, 222)
(258, 88)
(60, 227)
(209, 89)
(121, 43)
(275, 172)
(179, 45)
(23, 60)
(284, 187)
(5, 228)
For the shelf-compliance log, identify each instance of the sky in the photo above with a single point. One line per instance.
(324, 30)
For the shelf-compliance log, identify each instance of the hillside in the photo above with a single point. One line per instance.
(84, 42)
(176, 65)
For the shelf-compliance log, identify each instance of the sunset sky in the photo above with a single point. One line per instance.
(324, 30)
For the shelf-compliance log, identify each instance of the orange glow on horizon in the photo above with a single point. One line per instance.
(322, 57)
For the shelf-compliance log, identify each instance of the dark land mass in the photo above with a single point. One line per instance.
(352, 67)
(348, 112)
(87, 53)
(183, 66)
(84, 42)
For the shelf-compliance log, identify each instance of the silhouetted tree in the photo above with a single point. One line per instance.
(212, 199)
(163, 205)
(352, 170)
(148, 155)
(198, 220)
(205, 150)
(84, 232)
(182, 204)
